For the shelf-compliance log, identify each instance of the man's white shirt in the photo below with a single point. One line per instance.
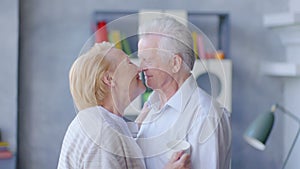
(191, 115)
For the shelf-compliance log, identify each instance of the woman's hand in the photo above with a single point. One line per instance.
(179, 160)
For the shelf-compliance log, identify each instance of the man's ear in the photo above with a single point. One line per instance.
(107, 79)
(176, 63)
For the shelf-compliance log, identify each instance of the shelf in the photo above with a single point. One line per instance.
(213, 25)
(280, 69)
(281, 19)
(214, 31)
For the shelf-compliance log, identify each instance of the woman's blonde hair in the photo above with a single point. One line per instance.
(86, 73)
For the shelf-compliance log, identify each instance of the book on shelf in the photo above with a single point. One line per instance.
(114, 37)
(4, 144)
(201, 52)
(120, 41)
(101, 33)
(201, 49)
(3, 148)
(5, 153)
(195, 44)
(125, 45)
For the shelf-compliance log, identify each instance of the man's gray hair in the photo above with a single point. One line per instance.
(175, 37)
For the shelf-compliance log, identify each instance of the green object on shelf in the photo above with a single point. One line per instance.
(125, 45)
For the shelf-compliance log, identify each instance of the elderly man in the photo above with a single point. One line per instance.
(178, 109)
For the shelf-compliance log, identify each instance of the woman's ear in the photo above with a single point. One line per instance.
(177, 62)
(107, 79)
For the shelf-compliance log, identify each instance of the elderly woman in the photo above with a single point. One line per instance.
(103, 82)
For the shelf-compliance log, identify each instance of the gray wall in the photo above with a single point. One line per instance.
(8, 70)
(53, 32)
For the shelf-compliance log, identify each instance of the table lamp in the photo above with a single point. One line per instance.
(258, 132)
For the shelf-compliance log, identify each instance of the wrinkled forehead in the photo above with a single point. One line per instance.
(149, 41)
(148, 44)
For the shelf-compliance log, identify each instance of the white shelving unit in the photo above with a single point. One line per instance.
(287, 26)
(280, 69)
(281, 19)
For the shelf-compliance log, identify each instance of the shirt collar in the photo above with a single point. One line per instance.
(179, 99)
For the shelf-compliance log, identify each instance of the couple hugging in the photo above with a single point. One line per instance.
(104, 81)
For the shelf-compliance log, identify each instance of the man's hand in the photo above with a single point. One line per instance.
(179, 160)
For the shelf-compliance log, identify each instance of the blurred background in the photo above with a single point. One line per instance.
(40, 39)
